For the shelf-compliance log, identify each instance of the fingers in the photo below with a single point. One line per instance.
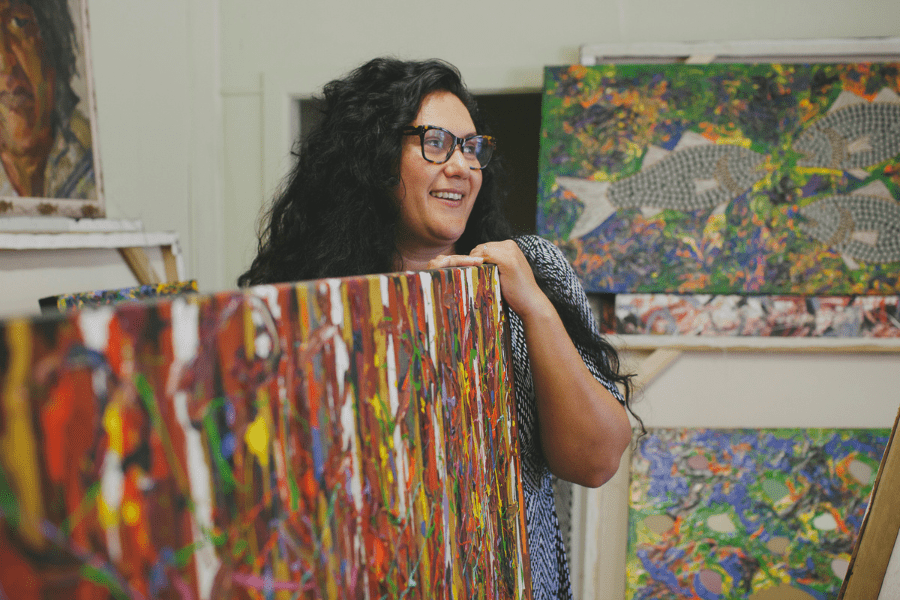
(505, 252)
(454, 260)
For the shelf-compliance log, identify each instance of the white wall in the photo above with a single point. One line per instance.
(274, 49)
(157, 89)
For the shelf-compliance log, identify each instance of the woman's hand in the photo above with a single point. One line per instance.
(517, 284)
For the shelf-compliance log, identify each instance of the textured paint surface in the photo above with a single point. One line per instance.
(721, 514)
(770, 316)
(755, 178)
(350, 438)
(100, 297)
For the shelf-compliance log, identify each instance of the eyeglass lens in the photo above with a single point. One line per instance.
(438, 145)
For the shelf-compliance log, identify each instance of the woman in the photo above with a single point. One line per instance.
(400, 176)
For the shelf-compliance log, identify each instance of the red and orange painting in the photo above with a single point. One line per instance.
(342, 438)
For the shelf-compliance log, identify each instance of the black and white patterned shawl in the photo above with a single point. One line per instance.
(549, 566)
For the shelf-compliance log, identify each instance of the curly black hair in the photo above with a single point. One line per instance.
(337, 212)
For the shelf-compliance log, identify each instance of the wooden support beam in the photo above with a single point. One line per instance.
(879, 532)
(140, 265)
(170, 264)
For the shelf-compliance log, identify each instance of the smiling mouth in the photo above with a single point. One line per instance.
(447, 195)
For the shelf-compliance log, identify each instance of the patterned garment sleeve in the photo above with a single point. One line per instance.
(551, 263)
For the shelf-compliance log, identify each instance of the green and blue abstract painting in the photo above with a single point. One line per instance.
(720, 514)
(724, 178)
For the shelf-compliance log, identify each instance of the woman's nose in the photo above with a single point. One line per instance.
(458, 161)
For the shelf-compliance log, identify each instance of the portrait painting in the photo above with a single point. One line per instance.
(724, 178)
(48, 137)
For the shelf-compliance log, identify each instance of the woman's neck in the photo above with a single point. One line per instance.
(417, 259)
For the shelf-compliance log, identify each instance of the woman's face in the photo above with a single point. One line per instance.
(436, 199)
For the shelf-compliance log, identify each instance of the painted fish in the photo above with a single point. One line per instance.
(696, 175)
(853, 134)
(862, 226)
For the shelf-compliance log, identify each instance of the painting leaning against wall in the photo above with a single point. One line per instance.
(753, 315)
(752, 514)
(330, 439)
(724, 178)
(48, 151)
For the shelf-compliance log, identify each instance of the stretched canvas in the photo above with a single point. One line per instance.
(64, 302)
(350, 438)
(724, 178)
(764, 316)
(747, 513)
(47, 114)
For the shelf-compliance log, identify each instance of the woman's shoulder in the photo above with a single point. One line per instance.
(538, 248)
(545, 256)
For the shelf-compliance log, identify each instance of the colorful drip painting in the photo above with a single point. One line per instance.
(65, 302)
(49, 119)
(349, 438)
(721, 514)
(765, 316)
(724, 178)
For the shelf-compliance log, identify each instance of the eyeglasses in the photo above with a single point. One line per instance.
(438, 145)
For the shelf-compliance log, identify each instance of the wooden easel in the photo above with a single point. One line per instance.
(125, 236)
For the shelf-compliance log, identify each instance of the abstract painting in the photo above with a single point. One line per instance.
(764, 316)
(65, 302)
(747, 513)
(724, 178)
(47, 114)
(340, 438)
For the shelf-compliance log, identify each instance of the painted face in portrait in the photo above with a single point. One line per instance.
(436, 199)
(27, 82)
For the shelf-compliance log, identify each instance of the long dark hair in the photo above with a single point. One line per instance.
(337, 213)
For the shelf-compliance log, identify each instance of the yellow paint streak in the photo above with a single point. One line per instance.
(249, 331)
(131, 512)
(424, 511)
(345, 304)
(265, 413)
(107, 516)
(18, 447)
(327, 543)
(281, 572)
(303, 309)
(258, 438)
(112, 423)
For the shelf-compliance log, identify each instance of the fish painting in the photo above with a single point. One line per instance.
(853, 134)
(696, 175)
(863, 225)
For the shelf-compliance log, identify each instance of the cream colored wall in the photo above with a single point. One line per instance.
(276, 49)
(157, 89)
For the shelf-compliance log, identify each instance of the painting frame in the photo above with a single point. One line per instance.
(72, 184)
